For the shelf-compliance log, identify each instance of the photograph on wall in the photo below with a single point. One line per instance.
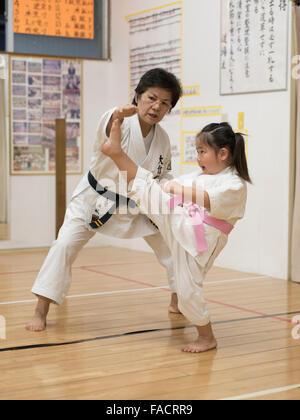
(42, 90)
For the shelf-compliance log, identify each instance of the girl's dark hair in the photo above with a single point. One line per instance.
(159, 78)
(221, 135)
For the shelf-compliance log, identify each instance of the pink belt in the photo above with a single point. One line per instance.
(201, 217)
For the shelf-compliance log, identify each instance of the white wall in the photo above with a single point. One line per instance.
(259, 244)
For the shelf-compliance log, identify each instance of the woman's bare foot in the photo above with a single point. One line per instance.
(112, 146)
(38, 322)
(206, 341)
(173, 307)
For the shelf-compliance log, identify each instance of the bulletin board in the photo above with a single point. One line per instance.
(253, 55)
(42, 90)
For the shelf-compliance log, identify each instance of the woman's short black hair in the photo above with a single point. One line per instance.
(159, 78)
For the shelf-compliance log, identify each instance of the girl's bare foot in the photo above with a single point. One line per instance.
(173, 307)
(112, 146)
(201, 345)
(205, 341)
(38, 322)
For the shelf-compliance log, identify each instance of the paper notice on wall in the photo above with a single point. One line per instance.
(254, 45)
(191, 90)
(155, 41)
(189, 147)
(201, 111)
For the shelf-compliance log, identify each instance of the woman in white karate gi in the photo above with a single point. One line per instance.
(197, 231)
(98, 203)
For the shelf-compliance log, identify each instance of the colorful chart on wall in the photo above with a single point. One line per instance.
(254, 46)
(42, 90)
(71, 19)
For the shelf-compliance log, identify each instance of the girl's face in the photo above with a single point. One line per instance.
(152, 106)
(210, 161)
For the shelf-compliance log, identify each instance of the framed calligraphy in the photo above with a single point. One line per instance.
(254, 46)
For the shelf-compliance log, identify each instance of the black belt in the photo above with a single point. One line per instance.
(117, 198)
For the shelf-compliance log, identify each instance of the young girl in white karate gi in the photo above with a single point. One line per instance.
(96, 207)
(212, 200)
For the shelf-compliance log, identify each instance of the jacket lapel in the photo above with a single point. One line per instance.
(137, 150)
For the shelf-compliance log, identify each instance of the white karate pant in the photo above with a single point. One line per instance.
(189, 274)
(54, 278)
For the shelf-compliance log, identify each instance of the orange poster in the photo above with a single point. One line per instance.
(63, 18)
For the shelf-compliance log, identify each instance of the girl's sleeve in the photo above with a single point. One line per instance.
(228, 201)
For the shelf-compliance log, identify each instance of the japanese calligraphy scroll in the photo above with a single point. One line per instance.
(254, 46)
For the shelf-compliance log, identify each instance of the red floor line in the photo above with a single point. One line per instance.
(208, 300)
(120, 278)
(77, 268)
(249, 310)
(116, 264)
(19, 272)
(87, 268)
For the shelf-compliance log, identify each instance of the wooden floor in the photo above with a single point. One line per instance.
(88, 353)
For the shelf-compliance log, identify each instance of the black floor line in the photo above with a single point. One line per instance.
(107, 337)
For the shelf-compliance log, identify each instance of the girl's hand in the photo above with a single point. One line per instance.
(172, 187)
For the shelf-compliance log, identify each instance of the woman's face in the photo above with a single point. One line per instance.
(153, 105)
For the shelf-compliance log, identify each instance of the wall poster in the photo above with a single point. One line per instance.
(41, 90)
(155, 41)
